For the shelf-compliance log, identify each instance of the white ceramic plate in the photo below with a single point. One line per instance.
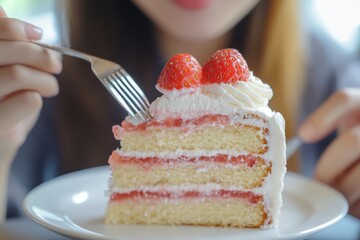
(74, 205)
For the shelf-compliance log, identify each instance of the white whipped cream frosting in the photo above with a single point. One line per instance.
(213, 99)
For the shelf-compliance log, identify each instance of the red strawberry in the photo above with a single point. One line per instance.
(225, 66)
(181, 71)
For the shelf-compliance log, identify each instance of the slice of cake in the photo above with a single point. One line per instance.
(213, 154)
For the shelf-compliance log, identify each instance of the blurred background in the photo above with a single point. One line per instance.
(37, 12)
(339, 19)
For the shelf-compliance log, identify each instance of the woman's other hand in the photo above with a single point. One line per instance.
(339, 165)
(25, 77)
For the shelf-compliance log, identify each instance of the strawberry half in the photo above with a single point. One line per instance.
(181, 71)
(225, 66)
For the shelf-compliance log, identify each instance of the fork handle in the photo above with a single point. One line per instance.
(5, 165)
(292, 145)
(66, 51)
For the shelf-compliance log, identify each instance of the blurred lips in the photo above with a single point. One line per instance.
(192, 4)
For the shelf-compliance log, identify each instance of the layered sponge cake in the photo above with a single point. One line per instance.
(213, 154)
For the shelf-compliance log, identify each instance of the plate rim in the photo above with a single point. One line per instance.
(55, 228)
(106, 168)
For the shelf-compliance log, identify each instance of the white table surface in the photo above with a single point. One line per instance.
(24, 229)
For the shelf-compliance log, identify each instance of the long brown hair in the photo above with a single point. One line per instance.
(268, 38)
(281, 62)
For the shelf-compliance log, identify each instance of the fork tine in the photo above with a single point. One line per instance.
(116, 92)
(118, 97)
(129, 97)
(132, 87)
(138, 91)
(120, 93)
(124, 93)
(134, 95)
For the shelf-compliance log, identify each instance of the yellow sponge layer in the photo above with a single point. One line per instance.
(241, 138)
(132, 176)
(211, 212)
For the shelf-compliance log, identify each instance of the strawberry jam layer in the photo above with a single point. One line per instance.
(147, 162)
(205, 120)
(178, 122)
(159, 195)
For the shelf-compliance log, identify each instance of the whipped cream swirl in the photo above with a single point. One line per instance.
(213, 99)
(253, 93)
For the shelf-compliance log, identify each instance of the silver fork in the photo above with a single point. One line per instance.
(116, 80)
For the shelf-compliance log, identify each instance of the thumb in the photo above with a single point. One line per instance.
(341, 107)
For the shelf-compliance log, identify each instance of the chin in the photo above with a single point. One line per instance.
(198, 31)
(198, 36)
(210, 21)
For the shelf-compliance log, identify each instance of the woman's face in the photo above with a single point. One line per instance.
(196, 20)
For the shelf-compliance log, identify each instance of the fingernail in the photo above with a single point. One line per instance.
(2, 12)
(33, 32)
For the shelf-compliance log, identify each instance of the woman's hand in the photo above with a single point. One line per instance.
(339, 165)
(25, 77)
